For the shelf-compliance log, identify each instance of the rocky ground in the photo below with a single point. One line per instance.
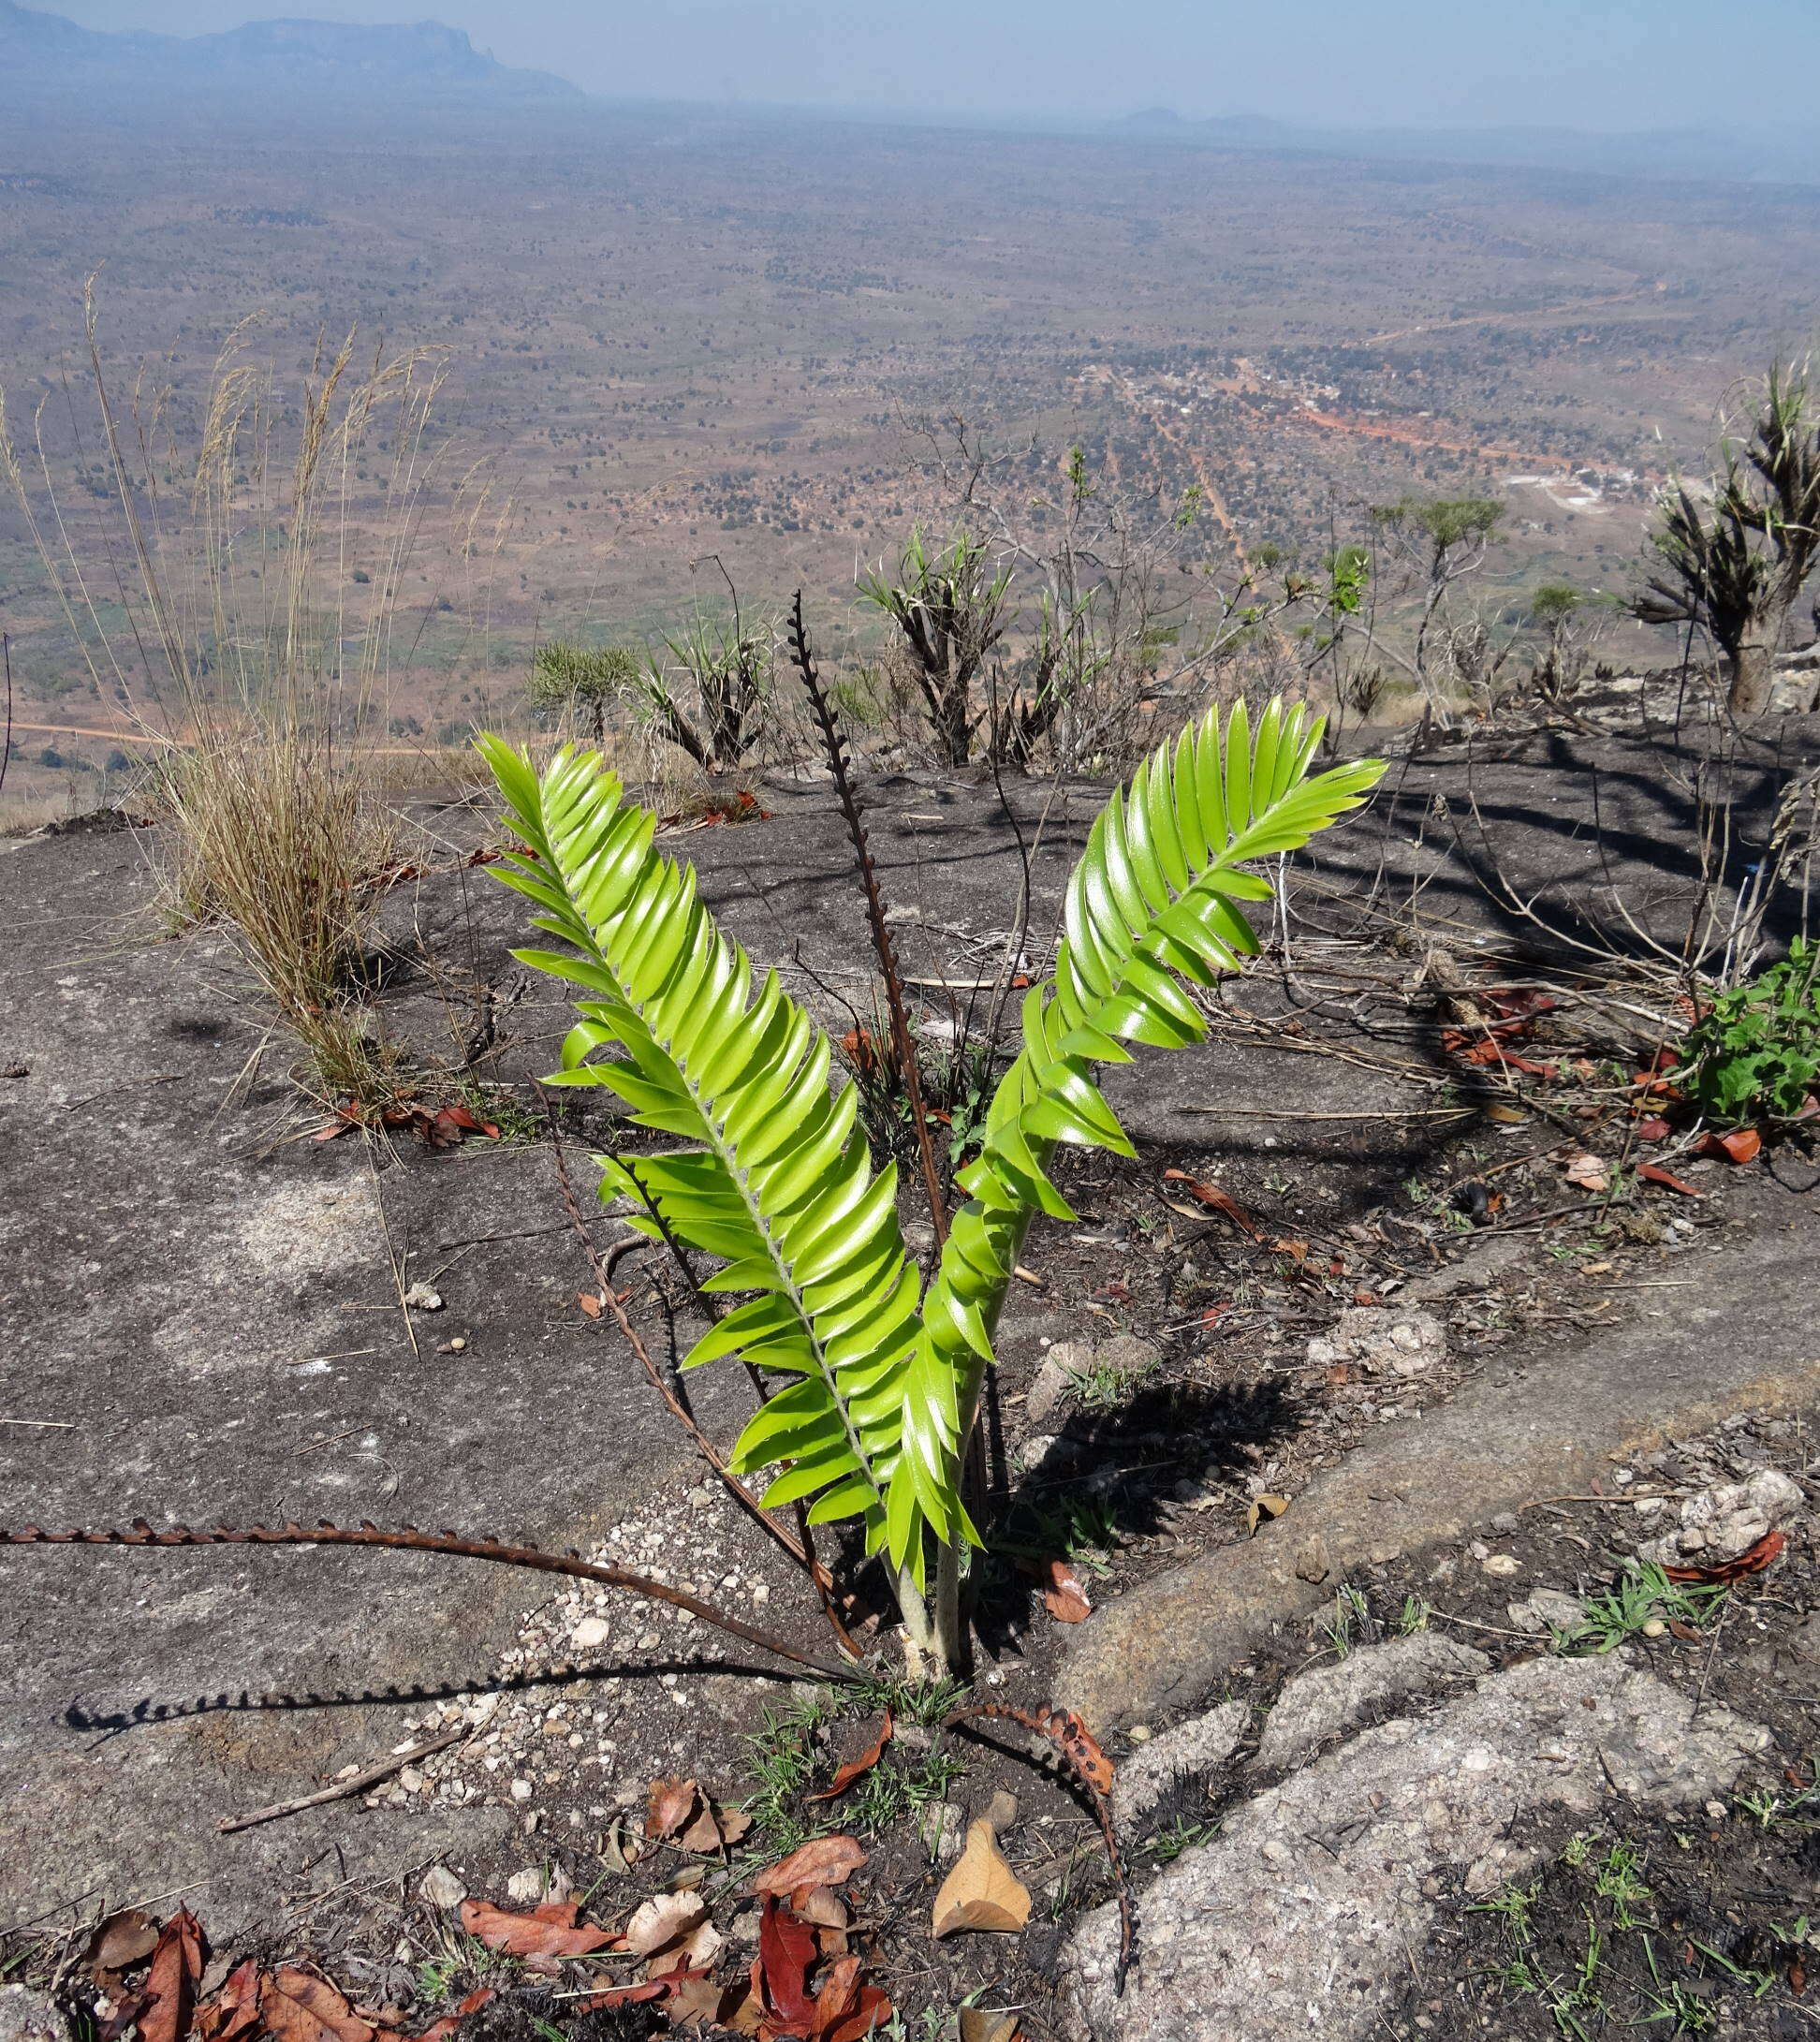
(1344, 1410)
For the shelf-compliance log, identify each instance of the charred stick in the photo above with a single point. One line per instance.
(409, 1539)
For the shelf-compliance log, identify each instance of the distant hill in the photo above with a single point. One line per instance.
(1763, 155)
(45, 52)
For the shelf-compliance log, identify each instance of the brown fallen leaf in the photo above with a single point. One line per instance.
(1064, 1597)
(1588, 1171)
(673, 1922)
(982, 1891)
(234, 2011)
(298, 2006)
(439, 2031)
(1214, 1198)
(978, 2025)
(672, 1804)
(589, 1303)
(828, 1860)
(122, 1941)
(1741, 1146)
(714, 1829)
(1265, 1507)
(1654, 1173)
(1506, 1116)
(548, 1930)
(171, 1985)
(822, 1906)
(1654, 1129)
(856, 1769)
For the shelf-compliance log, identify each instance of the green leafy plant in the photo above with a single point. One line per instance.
(774, 1180)
(582, 682)
(1756, 1050)
(1642, 1594)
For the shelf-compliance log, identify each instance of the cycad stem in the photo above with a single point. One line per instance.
(903, 1049)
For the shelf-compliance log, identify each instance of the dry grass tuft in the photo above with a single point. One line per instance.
(258, 655)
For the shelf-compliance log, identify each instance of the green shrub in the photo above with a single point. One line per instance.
(1757, 1049)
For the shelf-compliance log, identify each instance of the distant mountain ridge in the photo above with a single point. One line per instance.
(1764, 155)
(46, 51)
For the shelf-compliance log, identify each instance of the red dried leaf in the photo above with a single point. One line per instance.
(298, 2006)
(871, 2012)
(459, 1118)
(1741, 1146)
(1215, 1313)
(548, 1930)
(829, 1860)
(234, 2011)
(1214, 1198)
(589, 1303)
(1654, 1129)
(1064, 1597)
(626, 1995)
(171, 1985)
(335, 1128)
(786, 1949)
(1654, 1173)
(439, 2031)
(1753, 1560)
(856, 1769)
(672, 1803)
(838, 1999)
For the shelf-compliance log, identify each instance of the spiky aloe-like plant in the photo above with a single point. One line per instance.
(773, 1178)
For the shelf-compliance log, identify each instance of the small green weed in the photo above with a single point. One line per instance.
(1686, 2012)
(1351, 1618)
(783, 1759)
(1167, 1844)
(1107, 1386)
(1620, 1881)
(1413, 1616)
(1643, 1593)
(1756, 1050)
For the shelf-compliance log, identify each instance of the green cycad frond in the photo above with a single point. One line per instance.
(775, 1182)
(1154, 895)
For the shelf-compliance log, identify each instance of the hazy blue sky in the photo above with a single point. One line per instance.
(1602, 64)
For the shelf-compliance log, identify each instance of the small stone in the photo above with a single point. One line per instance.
(1312, 1562)
(1547, 1608)
(411, 1780)
(1001, 1811)
(1140, 1733)
(1502, 1562)
(440, 1888)
(420, 1297)
(522, 1790)
(650, 1641)
(537, 1884)
(590, 1632)
(1049, 1390)
(1655, 1627)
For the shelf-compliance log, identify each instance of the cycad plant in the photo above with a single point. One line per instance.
(875, 1377)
